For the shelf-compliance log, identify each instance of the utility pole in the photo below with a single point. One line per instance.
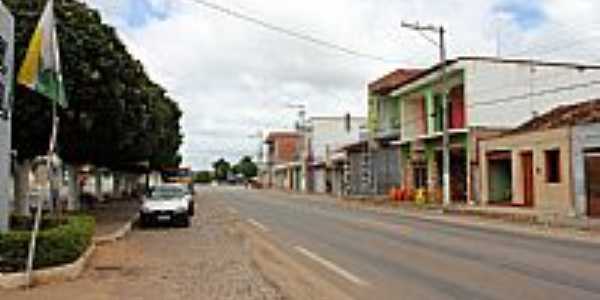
(446, 137)
(304, 153)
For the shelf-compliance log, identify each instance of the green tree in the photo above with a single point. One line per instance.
(117, 117)
(247, 167)
(221, 169)
(203, 177)
(116, 114)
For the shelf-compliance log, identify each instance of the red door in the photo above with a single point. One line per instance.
(592, 175)
(527, 169)
(457, 107)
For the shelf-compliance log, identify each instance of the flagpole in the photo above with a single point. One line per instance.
(50, 155)
(38, 213)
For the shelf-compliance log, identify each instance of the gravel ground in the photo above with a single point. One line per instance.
(210, 260)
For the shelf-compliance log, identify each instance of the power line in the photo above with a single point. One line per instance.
(291, 33)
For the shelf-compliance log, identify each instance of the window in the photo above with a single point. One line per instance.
(552, 166)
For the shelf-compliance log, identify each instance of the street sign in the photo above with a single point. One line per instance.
(6, 94)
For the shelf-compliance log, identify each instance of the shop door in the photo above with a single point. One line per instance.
(592, 175)
(528, 184)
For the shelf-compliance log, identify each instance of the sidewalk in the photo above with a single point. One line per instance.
(112, 215)
(521, 224)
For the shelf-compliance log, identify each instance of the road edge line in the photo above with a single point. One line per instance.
(331, 266)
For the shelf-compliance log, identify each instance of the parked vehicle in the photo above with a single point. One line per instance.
(166, 204)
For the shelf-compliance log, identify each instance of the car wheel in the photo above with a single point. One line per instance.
(185, 222)
(144, 221)
(191, 209)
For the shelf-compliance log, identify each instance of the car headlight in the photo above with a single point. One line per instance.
(145, 209)
(181, 209)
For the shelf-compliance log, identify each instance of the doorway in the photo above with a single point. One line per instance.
(527, 173)
(592, 179)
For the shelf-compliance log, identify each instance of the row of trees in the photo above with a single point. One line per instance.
(117, 116)
(245, 167)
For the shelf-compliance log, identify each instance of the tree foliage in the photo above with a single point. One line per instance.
(116, 116)
(221, 169)
(203, 177)
(246, 167)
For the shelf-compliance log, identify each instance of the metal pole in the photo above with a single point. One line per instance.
(446, 136)
(38, 213)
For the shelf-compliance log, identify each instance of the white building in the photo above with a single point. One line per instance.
(325, 135)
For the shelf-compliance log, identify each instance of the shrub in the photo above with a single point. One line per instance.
(55, 246)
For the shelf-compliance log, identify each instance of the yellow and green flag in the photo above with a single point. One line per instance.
(41, 68)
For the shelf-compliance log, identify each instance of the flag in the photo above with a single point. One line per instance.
(40, 70)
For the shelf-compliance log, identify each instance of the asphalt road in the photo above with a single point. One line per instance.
(374, 256)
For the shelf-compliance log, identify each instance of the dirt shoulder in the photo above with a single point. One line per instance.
(291, 277)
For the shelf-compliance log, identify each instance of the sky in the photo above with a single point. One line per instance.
(235, 80)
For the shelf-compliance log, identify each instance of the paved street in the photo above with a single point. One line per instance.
(366, 255)
(209, 260)
(374, 256)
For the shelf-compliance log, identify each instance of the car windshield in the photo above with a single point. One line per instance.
(162, 193)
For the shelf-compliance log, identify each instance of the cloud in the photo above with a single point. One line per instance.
(233, 78)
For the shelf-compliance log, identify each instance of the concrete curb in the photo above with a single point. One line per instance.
(522, 229)
(66, 272)
(118, 234)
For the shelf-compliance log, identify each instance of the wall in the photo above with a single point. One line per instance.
(330, 133)
(386, 169)
(320, 179)
(583, 137)
(420, 111)
(555, 197)
(487, 82)
(285, 148)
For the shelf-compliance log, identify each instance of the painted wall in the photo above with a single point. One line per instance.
(320, 179)
(548, 197)
(583, 137)
(491, 82)
(329, 134)
(420, 106)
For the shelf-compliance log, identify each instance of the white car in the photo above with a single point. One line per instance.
(166, 204)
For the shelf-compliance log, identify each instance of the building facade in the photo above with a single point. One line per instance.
(550, 164)
(486, 96)
(324, 136)
(283, 150)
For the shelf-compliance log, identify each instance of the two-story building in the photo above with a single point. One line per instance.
(323, 137)
(486, 96)
(283, 166)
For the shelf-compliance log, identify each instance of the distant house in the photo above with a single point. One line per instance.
(324, 136)
(550, 163)
(486, 96)
(282, 167)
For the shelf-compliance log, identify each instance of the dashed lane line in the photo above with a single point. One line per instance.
(332, 266)
(258, 225)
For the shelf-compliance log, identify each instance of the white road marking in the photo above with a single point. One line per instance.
(258, 225)
(331, 266)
